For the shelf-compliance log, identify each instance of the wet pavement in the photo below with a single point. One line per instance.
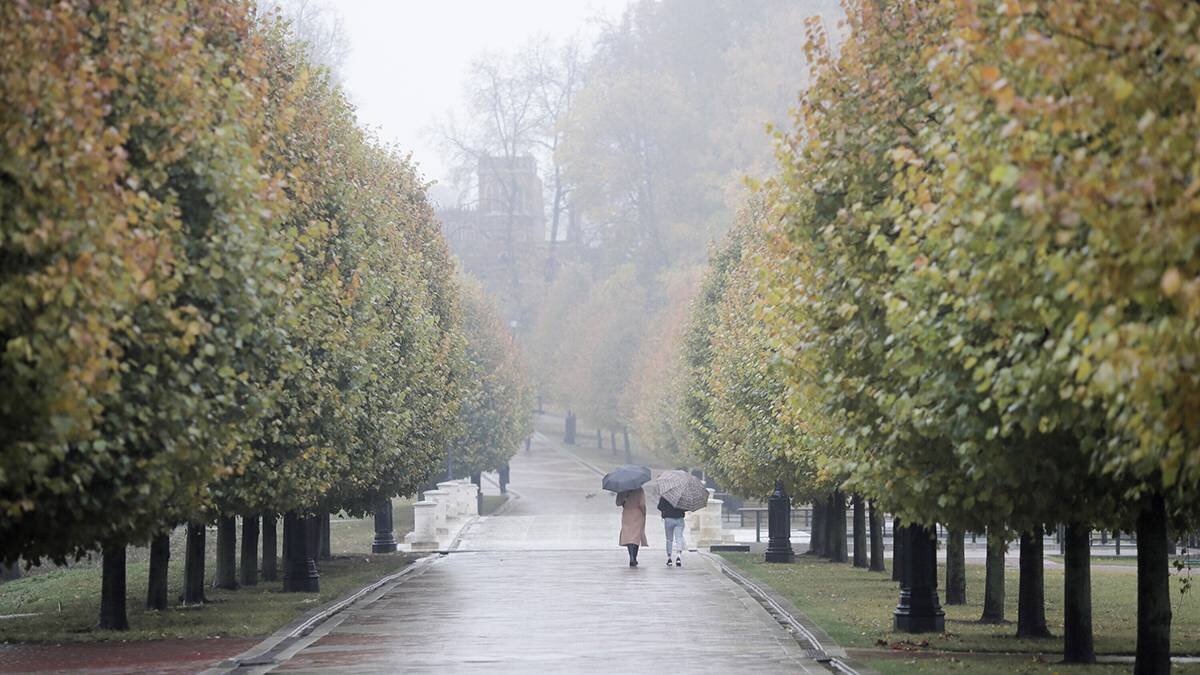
(544, 587)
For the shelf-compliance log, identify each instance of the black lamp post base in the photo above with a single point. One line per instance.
(920, 624)
(385, 545)
(303, 578)
(918, 610)
(781, 556)
(385, 534)
(779, 526)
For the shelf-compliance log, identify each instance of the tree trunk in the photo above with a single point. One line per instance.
(956, 567)
(1031, 592)
(612, 440)
(839, 553)
(816, 532)
(993, 588)
(10, 571)
(226, 576)
(249, 569)
(860, 532)
(897, 551)
(112, 589)
(300, 573)
(160, 560)
(193, 565)
(600, 441)
(625, 436)
(876, 527)
(1153, 590)
(270, 561)
(1078, 644)
(326, 546)
(829, 527)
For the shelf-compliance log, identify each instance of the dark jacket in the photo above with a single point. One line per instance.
(669, 511)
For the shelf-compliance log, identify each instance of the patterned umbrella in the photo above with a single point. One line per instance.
(682, 490)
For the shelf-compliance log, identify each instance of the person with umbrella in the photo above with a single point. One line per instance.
(679, 492)
(627, 482)
(673, 522)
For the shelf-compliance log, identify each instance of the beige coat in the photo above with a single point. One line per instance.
(633, 516)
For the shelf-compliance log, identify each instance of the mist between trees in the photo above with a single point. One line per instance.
(219, 297)
(967, 290)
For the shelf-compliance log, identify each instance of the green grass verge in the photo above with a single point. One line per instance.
(855, 607)
(987, 664)
(65, 602)
(1122, 560)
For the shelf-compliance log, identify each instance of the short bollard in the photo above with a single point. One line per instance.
(454, 501)
(424, 534)
(779, 527)
(442, 499)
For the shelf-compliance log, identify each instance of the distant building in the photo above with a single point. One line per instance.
(501, 238)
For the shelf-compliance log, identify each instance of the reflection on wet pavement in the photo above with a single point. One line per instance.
(544, 588)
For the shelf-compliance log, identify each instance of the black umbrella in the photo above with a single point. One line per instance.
(628, 477)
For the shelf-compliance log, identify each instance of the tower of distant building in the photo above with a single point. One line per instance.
(509, 198)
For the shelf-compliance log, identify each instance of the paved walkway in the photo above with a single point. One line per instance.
(543, 587)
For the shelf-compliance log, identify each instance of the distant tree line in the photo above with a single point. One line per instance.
(667, 114)
(971, 296)
(219, 297)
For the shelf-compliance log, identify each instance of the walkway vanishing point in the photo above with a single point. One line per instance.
(543, 587)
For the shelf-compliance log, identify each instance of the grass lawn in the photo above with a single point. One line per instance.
(1123, 560)
(855, 607)
(991, 664)
(65, 602)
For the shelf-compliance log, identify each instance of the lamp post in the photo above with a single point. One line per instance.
(918, 610)
(385, 534)
(779, 527)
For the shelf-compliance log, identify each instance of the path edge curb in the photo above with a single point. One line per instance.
(281, 639)
(835, 658)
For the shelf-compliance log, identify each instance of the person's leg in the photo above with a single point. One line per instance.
(633, 550)
(678, 540)
(669, 527)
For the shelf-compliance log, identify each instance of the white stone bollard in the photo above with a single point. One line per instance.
(692, 522)
(441, 499)
(710, 529)
(472, 499)
(464, 506)
(424, 535)
(453, 506)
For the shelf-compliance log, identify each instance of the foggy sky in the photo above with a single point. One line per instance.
(408, 57)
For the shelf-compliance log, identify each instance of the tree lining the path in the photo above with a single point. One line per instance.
(220, 296)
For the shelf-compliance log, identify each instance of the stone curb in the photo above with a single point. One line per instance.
(263, 654)
(803, 629)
